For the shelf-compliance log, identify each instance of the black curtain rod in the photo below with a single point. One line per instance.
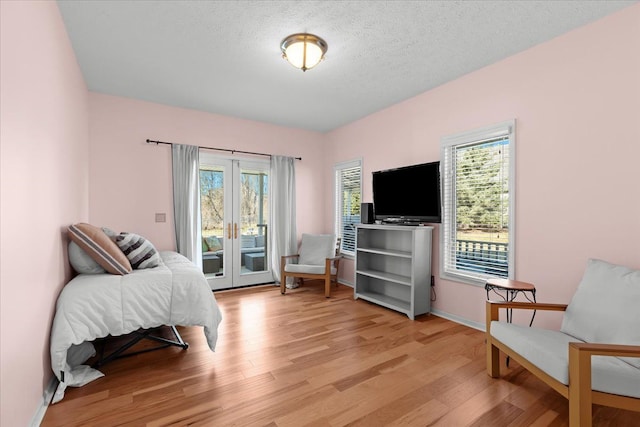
(149, 141)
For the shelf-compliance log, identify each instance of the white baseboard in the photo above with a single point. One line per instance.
(344, 282)
(46, 398)
(458, 319)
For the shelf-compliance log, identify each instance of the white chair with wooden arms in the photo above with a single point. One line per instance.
(594, 357)
(317, 259)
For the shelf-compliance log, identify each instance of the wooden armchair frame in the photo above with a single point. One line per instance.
(578, 392)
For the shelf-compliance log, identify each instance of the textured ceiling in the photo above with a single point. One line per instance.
(223, 56)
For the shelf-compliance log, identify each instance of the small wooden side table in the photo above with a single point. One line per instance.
(511, 288)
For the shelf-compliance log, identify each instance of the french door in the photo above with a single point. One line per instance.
(234, 216)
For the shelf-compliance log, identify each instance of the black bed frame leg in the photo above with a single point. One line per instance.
(139, 336)
(182, 344)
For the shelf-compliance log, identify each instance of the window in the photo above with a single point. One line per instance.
(348, 188)
(478, 201)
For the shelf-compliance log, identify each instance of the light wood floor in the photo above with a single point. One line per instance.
(301, 359)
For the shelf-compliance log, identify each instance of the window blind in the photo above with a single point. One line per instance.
(477, 203)
(348, 178)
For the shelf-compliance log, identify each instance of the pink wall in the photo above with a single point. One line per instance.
(44, 189)
(577, 103)
(131, 180)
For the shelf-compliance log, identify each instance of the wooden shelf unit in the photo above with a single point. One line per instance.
(393, 267)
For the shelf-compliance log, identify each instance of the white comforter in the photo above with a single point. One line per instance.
(96, 305)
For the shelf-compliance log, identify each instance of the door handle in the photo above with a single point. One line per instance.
(229, 230)
(235, 230)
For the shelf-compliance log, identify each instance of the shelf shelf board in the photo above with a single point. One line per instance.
(401, 254)
(386, 301)
(389, 277)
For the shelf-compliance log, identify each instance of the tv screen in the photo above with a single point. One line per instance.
(409, 194)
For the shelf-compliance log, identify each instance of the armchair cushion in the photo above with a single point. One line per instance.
(611, 316)
(316, 248)
(548, 350)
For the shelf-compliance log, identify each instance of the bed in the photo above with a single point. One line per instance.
(92, 306)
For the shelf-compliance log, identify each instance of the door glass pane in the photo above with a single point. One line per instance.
(212, 217)
(254, 219)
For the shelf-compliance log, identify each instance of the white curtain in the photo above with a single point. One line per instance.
(284, 238)
(186, 201)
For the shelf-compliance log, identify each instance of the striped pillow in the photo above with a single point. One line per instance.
(100, 248)
(139, 251)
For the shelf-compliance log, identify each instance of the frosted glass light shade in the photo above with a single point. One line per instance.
(303, 51)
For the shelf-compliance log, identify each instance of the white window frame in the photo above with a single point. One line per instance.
(448, 228)
(339, 167)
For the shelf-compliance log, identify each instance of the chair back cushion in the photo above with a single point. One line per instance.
(316, 248)
(606, 307)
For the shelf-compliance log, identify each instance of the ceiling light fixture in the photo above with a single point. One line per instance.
(303, 50)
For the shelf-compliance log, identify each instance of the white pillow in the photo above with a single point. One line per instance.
(81, 261)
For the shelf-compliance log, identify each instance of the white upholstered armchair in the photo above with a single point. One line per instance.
(317, 259)
(595, 356)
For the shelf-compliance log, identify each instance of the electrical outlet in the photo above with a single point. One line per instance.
(433, 281)
(161, 217)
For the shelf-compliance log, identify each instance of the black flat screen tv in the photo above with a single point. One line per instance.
(407, 195)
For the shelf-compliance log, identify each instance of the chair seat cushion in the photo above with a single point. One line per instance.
(549, 351)
(306, 268)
